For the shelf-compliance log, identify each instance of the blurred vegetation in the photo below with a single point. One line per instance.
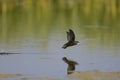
(36, 18)
(111, 7)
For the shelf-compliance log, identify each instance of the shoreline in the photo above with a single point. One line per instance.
(95, 75)
(88, 75)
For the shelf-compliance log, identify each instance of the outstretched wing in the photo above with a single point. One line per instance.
(68, 36)
(71, 35)
(76, 63)
(73, 62)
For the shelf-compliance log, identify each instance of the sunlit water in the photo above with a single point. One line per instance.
(39, 38)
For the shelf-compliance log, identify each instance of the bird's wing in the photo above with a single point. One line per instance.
(71, 35)
(74, 62)
(68, 36)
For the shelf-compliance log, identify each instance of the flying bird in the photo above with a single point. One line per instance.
(71, 65)
(71, 39)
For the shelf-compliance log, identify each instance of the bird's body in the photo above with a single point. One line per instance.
(71, 65)
(71, 39)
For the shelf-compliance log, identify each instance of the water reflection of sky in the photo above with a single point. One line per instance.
(48, 61)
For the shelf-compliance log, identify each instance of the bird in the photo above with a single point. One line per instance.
(71, 39)
(71, 65)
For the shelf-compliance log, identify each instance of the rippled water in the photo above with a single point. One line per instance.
(39, 36)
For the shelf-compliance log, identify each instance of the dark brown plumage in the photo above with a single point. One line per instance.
(71, 65)
(71, 39)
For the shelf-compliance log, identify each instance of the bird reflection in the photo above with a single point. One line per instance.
(71, 65)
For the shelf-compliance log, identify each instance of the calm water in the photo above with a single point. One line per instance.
(39, 36)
